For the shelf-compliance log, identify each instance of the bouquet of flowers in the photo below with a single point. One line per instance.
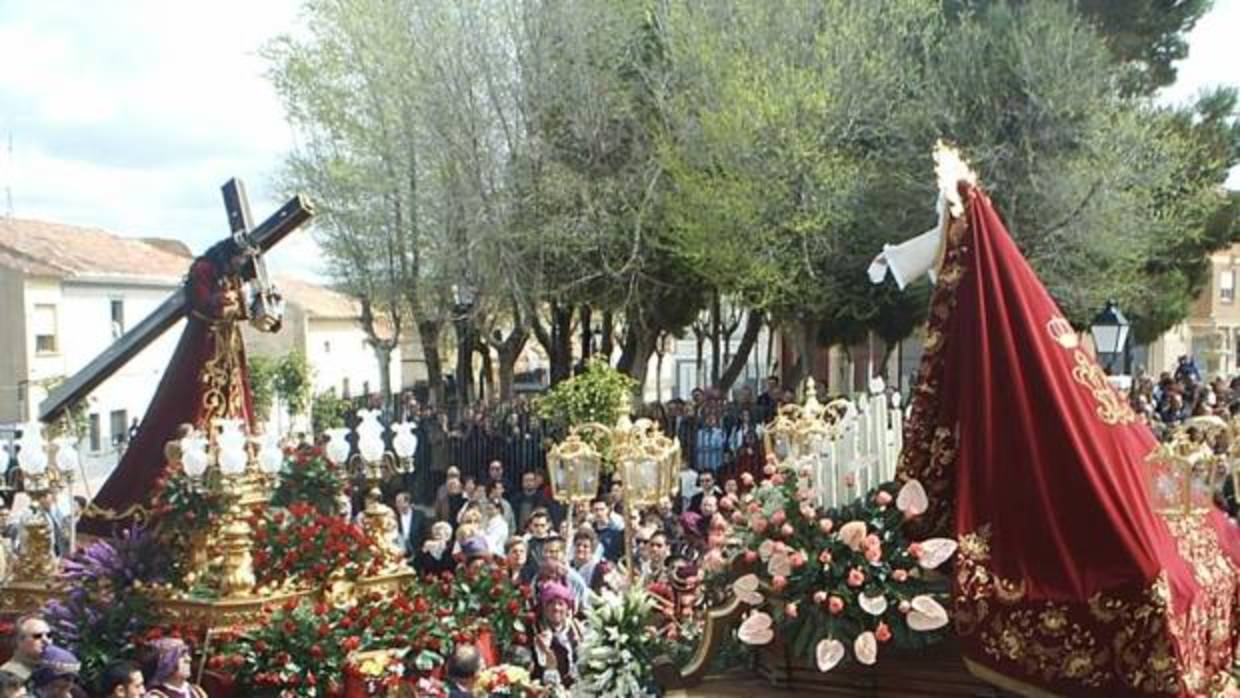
(831, 581)
(378, 669)
(505, 680)
(309, 477)
(313, 547)
(619, 647)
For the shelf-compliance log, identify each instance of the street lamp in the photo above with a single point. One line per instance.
(1110, 332)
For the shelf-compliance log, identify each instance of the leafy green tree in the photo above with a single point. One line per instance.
(327, 411)
(292, 381)
(262, 371)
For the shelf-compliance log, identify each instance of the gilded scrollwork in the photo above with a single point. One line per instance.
(1112, 409)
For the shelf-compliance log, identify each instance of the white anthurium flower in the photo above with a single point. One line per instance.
(766, 549)
(936, 551)
(912, 499)
(873, 605)
(926, 614)
(829, 653)
(757, 629)
(746, 589)
(865, 647)
(780, 565)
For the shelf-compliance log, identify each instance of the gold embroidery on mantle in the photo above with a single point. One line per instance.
(1112, 409)
(929, 454)
(223, 392)
(1094, 645)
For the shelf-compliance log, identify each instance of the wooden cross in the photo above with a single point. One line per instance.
(255, 240)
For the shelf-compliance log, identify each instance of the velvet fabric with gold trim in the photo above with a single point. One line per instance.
(1067, 582)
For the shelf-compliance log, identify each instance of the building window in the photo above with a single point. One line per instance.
(118, 318)
(327, 347)
(45, 339)
(119, 420)
(96, 438)
(344, 388)
(1227, 285)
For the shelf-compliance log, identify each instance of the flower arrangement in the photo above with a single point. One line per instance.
(310, 547)
(505, 680)
(101, 617)
(831, 582)
(309, 477)
(619, 647)
(487, 599)
(378, 669)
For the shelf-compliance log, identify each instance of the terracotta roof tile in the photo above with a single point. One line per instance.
(55, 249)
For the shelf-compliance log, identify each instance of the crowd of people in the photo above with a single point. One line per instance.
(41, 669)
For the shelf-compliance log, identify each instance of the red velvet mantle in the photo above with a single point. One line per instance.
(206, 378)
(1067, 580)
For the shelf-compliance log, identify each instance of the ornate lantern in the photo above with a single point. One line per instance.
(574, 466)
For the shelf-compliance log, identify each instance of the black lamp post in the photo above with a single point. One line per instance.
(1110, 332)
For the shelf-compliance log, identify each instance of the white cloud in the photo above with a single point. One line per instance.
(1213, 57)
(129, 116)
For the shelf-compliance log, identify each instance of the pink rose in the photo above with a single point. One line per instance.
(747, 479)
(751, 556)
(778, 546)
(914, 550)
(737, 517)
(777, 479)
(769, 470)
(825, 557)
(835, 605)
(883, 498)
(758, 524)
(825, 525)
(778, 582)
(798, 559)
(790, 610)
(820, 597)
(856, 577)
(905, 607)
(882, 633)
(787, 530)
(754, 507)
(727, 503)
(778, 518)
(899, 575)
(807, 511)
(874, 554)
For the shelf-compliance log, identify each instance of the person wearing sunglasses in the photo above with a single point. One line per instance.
(33, 636)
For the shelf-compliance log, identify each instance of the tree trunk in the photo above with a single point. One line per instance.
(383, 355)
(464, 361)
(634, 360)
(608, 342)
(587, 332)
(804, 335)
(486, 377)
(698, 369)
(659, 353)
(560, 353)
(428, 334)
(753, 327)
(716, 357)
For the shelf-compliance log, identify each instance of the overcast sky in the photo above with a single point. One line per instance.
(130, 115)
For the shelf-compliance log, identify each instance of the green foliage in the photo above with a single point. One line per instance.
(328, 411)
(309, 478)
(292, 381)
(596, 395)
(262, 370)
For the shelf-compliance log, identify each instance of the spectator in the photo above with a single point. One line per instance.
(516, 553)
(496, 492)
(56, 675)
(608, 528)
(436, 557)
(706, 486)
(528, 500)
(34, 636)
(123, 680)
(11, 686)
(172, 670)
(556, 637)
(710, 445)
(538, 532)
(409, 525)
(462, 671)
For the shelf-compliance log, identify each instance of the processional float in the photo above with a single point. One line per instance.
(1090, 559)
(202, 420)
